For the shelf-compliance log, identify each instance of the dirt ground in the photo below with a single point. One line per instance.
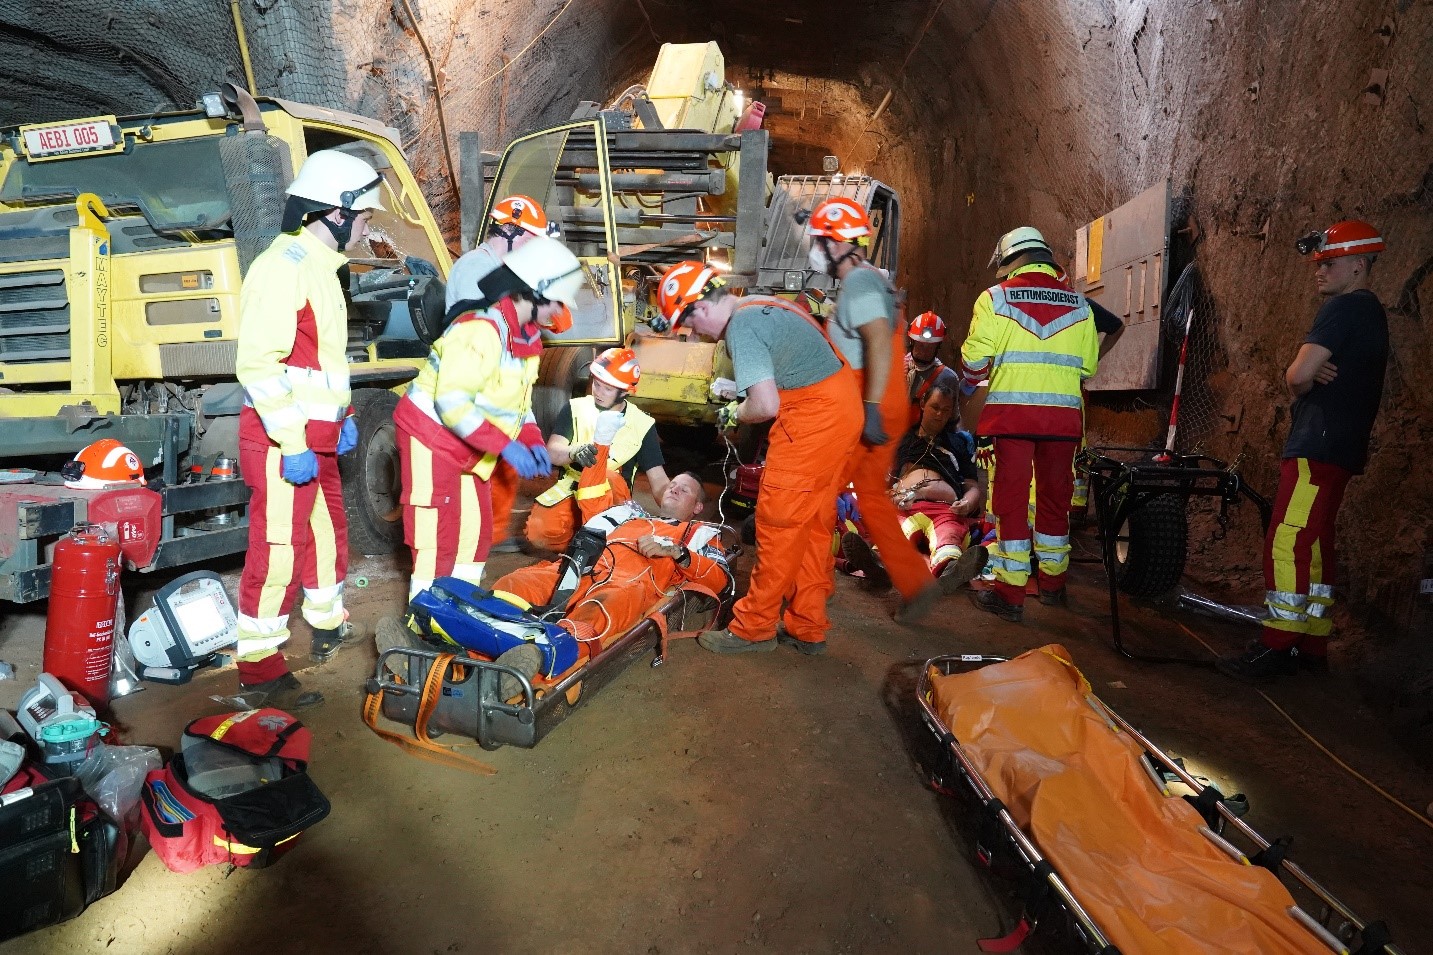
(766, 803)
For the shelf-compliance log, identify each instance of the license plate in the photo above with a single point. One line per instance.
(52, 142)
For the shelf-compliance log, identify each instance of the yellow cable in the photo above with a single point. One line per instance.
(550, 24)
(1322, 748)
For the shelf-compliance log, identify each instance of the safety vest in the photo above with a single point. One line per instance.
(1033, 338)
(480, 402)
(292, 349)
(635, 425)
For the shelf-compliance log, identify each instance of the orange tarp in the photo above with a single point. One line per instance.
(1133, 857)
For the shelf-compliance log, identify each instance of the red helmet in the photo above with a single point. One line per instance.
(840, 219)
(617, 367)
(927, 328)
(1349, 237)
(682, 286)
(524, 213)
(106, 463)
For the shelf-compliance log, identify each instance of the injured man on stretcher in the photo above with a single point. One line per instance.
(621, 564)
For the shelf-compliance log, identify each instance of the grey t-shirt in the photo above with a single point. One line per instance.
(769, 341)
(864, 297)
(470, 269)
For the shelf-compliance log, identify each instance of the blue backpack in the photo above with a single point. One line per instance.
(465, 615)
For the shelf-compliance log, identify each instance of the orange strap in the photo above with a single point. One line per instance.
(659, 619)
(421, 744)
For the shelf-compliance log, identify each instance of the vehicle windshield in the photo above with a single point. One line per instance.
(175, 185)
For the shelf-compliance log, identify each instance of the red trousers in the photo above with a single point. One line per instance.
(1050, 461)
(502, 486)
(447, 513)
(1299, 556)
(817, 427)
(869, 471)
(936, 530)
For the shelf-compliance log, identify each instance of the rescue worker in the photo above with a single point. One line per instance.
(513, 222)
(470, 407)
(790, 372)
(1336, 381)
(292, 363)
(1033, 338)
(615, 374)
(924, 369)
(868, 332)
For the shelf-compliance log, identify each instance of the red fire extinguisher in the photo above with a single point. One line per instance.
(84, 595)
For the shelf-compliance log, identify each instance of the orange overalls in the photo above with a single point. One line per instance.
(624, 586)
(815, 429)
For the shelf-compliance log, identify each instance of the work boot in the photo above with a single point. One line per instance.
(391, 633)
(992, 602)
(1260, 664)
(724, 641)
(810, 648)
(327, 643)
(513, 545)
(862, 557)
(281, 693)
(963, 569)
(525, 658)
(1054, 598)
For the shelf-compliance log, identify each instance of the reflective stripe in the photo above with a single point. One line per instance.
(1317, 591)
(1047, 398)
(1038, 358)
(1350, 244)
(1051, 541)
(275, 387)
(1000, 561)
(1003, 306)
(513, 599)
(1015, 546)
(595, 490)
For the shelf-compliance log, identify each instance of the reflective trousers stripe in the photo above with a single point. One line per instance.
(298, 537)
(1299, 555)
(1050, 464)
(453, 527)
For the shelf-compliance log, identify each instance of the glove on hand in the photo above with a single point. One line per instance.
(872, 433)
(348, 437)
(846, 509)
(609, 422)
(521, 458)
(984, 452)
(299, 468)
(542, 459)
(723, 389)
(584, 456)
(727, 416)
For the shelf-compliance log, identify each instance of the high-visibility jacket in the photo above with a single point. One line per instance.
(474, 394)
(635, 425)
(293, 335)
(1034, 339)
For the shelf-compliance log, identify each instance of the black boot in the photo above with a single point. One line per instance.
(281, 693)
(991, 602)
(1260, 664)
(327, 643)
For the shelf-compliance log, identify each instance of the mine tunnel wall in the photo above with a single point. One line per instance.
(1009, 113)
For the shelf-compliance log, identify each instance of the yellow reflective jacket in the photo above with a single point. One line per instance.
(635, 425)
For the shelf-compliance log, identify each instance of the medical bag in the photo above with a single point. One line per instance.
(238, 791)
(467, 616)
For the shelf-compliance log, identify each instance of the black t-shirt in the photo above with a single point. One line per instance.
(648, 456)
(1332, 422)
(950, 454)
(1106, 321)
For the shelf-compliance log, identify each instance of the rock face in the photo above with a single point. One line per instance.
(1269, 119)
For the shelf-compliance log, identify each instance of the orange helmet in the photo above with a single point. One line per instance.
(523, 212)
(106, 463)
(682, 286)
(840, 219)
(927, 328)
(618, 367)
(1349, 237)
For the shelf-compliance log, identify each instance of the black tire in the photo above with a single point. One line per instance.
(562, 376)
(1151, 547)
(372, 480)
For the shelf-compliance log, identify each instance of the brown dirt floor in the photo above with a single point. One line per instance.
(766, 803)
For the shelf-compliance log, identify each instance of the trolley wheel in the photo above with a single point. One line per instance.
(372, 482)
(1151, 547)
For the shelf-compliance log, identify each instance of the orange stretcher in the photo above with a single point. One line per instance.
(1082, 807)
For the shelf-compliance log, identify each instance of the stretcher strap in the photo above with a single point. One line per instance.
(421, 744)
(1373, 938)
(1272, 858)
(1207, 803)
(1009, 942)
(659, 619)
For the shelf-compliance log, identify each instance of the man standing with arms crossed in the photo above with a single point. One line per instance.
(1336, 381)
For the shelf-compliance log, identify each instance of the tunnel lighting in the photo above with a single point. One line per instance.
(719, 266)
(740, 98)
(213, 105)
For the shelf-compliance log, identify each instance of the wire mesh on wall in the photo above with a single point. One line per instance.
(1190, 328)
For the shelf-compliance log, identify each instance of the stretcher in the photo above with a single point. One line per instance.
(437, 690)
(1085, 812)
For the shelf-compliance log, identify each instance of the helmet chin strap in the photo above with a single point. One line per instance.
(833, 265)
(343, 232)
(619, 400)
(508, 232)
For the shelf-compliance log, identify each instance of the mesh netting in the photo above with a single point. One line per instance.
(1190, 329)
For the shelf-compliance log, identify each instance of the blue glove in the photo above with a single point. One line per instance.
(540, 455)
(522, 459)
(348, 437)
(299, 468)
(872, 432)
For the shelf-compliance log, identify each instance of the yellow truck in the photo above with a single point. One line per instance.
(123, 243)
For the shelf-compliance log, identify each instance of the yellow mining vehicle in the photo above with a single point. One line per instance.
(673, 169)
(123, 242)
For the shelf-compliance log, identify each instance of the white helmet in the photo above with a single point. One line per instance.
(548, 268)
(336, 179)
(1018, 242)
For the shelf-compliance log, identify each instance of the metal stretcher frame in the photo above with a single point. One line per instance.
(1373, 936)
(1120, 487)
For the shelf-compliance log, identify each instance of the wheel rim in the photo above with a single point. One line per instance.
(382, 481)
(1122, 544)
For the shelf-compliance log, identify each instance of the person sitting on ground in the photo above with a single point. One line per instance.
(937, 492)
(572, 446)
